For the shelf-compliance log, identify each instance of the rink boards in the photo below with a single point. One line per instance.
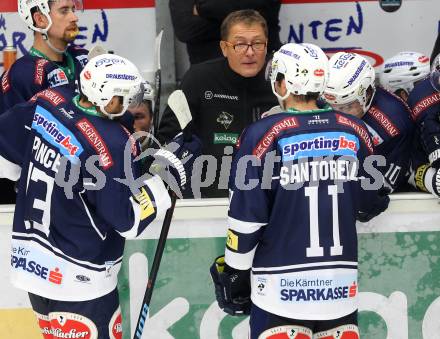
(399, 275)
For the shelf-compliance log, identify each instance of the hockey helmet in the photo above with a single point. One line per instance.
(149, 93)
(351, 78)
(109, 75)
(26, 9)
(402, 70)
(304, 67)
(435, 73)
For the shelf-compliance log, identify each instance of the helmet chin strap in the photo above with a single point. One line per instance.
(112, 116)
(52, 47)
(279, 97)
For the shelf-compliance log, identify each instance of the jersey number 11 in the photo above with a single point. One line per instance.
(314, 250)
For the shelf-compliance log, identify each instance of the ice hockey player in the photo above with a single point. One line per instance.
(51, 61)
(424, 101)
(71, 217)
(294, 229)
(351, 90)
(400, 72)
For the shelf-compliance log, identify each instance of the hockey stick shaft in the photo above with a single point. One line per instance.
(145, 306)
(178, 103)
(157, 82)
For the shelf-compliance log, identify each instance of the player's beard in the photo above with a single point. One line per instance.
(71, 33)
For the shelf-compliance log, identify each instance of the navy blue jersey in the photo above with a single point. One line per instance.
(67, 234)
(33, 72)
(424, 102)
(293, 220)
(392, 129)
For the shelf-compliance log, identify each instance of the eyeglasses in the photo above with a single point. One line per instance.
(243, 47)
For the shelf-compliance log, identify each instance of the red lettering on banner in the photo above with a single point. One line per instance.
(39, 71)
(383, 120)
(6, 86)
(50, 95)
(11, 5)
(265, 142)
(95, 139)
(424, 104)
(360, 130)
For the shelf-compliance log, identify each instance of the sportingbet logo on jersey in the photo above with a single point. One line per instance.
(56, 134)
(37, 264)
(318, 145)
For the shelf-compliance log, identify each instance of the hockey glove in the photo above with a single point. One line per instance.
(232, 287)
(174, 163)
(427, 179)
(379, 205)
(430, 136)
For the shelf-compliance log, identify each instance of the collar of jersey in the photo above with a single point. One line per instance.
(87, 110)
(69, 69)
(325, 109)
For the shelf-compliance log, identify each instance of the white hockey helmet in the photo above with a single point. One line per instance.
(402, 70)
(351, 78)
(149, 93)
(435, 73)
(26, 9)
(304, 67)
(109, 75)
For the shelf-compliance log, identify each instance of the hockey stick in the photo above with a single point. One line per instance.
(95, 51)
(178, 103)
(157, 82)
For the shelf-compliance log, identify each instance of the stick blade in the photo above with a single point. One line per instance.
(95, 51)
(179, 105)
(157, 47)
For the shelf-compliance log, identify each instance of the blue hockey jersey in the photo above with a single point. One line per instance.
(424, 102)
(68, 239)
(292, 219)
(33, 73)
(391, 127)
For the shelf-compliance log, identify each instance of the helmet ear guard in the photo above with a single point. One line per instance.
(109, 75)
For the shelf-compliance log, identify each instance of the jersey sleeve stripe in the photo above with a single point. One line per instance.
(244, 227)
(240, 261)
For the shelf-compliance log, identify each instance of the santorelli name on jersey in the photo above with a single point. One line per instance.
(318, 144)
(306, 171)
(56, 134)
